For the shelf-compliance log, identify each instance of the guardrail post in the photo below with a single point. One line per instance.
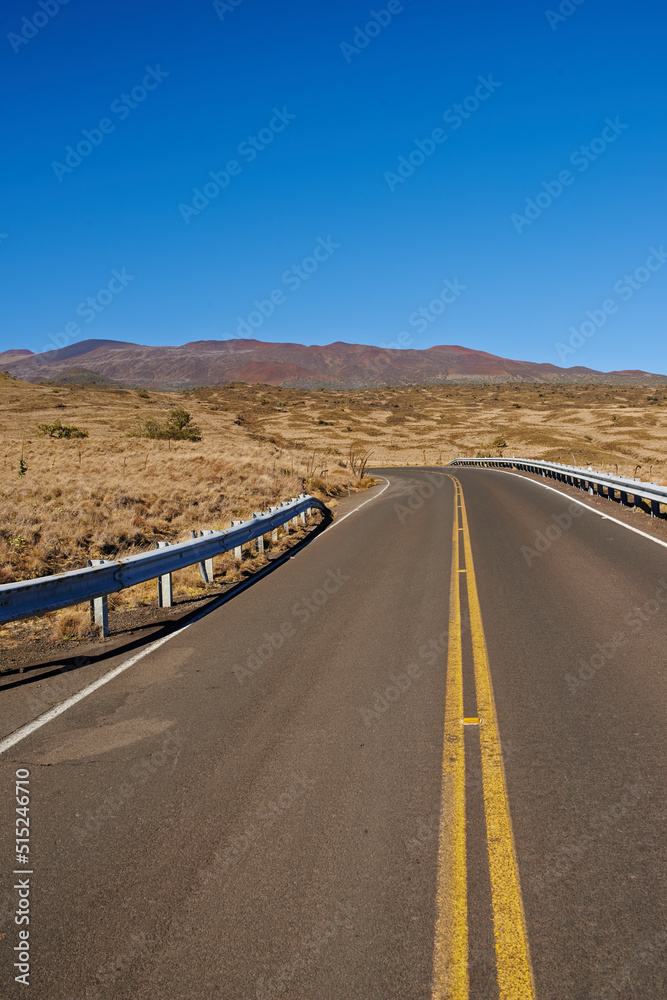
(206, 567)
(274, 533)
(238, 550)
(103, 577)
(259, 541)
(302, 515)
(655, 508)
(289, 523)
(99, 607)
(165, 591)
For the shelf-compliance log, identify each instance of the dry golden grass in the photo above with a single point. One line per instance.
(111, 494)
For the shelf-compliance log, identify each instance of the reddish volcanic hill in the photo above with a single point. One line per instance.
(336, 366)
(13, 355)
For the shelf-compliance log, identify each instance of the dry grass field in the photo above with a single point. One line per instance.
(111, 493)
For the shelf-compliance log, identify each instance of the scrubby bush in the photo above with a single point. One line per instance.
(177, 427)
(57, 430)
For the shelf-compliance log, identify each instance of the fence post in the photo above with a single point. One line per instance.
(99, 606)
(238, 550)
(165, 592)
(259, 541)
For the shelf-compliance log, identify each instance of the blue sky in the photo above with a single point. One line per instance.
(305, 111)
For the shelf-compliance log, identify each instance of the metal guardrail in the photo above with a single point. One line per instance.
(103, 577)
(594, 482)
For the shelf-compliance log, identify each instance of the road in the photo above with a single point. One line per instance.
(283, 801)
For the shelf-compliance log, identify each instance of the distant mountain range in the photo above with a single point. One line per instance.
(335, 366)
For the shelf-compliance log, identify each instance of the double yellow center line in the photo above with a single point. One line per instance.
(451, 979)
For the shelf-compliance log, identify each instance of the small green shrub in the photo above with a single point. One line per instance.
(57, 430)
(177, 427)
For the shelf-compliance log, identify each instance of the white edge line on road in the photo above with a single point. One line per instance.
(561, 493)
(338, 521)
(53, 713)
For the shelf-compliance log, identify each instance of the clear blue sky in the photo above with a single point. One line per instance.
(331, 172)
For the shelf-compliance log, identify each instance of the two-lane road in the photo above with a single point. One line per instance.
(283, 800)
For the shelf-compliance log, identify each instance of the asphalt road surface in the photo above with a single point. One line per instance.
(284, 799)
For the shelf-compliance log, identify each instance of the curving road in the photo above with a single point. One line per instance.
(283, 800)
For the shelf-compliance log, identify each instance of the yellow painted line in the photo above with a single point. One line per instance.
(470, 722)
(515, 975)
(450, 964)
